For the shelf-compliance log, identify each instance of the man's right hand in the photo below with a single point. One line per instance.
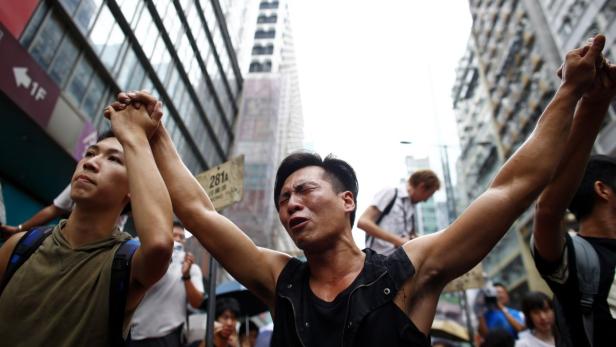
(581, 66)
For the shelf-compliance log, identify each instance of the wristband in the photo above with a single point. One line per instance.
(20, 227)
(185, 277)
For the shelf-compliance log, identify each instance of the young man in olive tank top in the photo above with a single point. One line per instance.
(60, 295)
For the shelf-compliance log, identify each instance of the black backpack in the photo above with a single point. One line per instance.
(120, 275)
(369, 238)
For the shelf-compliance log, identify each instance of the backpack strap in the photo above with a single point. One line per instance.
(118, 293)
(370, 238)
(588, 272)
(25, 247)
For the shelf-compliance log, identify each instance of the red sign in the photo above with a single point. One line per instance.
(23, 80)
(14, 14)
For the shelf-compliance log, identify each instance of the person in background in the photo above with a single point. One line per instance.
(225, 324)
(498, 337)
(159, 319)
(499, 316)
(586, 185)
(539, 315)
(248, 334)
(390, 219)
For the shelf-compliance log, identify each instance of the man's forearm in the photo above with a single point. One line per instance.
(183, 187)
(42, 217)
(512, 321)
(554, 200)
(150, 202)
(374, 230)
(193, 296)
(586, 125)
(535, 162)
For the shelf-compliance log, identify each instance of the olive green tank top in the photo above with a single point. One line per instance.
(60, 295)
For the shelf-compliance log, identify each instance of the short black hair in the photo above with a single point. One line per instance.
(177, 223)
(107, 134)
(251, 327)
(224, 304)
(499, 284)
(534, 301)
(340, 174)
(498, 337)
(599, 168)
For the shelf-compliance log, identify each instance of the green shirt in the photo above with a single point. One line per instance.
(60, 295)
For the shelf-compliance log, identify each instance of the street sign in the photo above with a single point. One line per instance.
(224, 183)
(24, 81)
(471, 279)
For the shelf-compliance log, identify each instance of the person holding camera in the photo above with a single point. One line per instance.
(498, 315)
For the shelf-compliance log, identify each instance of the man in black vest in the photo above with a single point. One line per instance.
(341, 295)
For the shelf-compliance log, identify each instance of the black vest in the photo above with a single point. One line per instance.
(372, 318)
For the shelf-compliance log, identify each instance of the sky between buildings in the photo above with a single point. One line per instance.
(373, 73)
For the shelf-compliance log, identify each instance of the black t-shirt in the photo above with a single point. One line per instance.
(327, 317)
(363, 315)
(562, 279)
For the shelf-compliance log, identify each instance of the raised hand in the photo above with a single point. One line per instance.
(603, 88)
(131, 122)
(138, 98)
(582, 65)
(189, 259)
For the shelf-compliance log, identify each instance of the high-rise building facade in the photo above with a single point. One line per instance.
(65, 60)
(270, 125)
(505, 80)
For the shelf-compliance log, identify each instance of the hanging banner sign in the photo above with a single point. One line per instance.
(224, 183)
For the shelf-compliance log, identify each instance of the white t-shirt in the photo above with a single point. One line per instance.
(163, 308)
(64, 202)
(399, 220)
(527, 339)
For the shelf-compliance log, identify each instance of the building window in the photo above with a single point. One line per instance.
(267, 67)
(566, 27)
(265, 34)
(266, 5)
(263, 19)
(44, 46)
(64, 61)
(256, 66)
(263, 50)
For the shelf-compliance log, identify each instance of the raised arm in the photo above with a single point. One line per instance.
(553, 202)
(441, 257)
(256, 268)
(150, 202)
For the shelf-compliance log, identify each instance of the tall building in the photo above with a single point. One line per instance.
(504, 81)
(65, 60)
(270, 124)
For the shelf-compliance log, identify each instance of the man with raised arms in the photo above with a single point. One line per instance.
(345, 297)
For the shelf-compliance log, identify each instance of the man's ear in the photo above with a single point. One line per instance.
(603, 190)
(349, 201)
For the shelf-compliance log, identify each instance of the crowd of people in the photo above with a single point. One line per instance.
(85, 282)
